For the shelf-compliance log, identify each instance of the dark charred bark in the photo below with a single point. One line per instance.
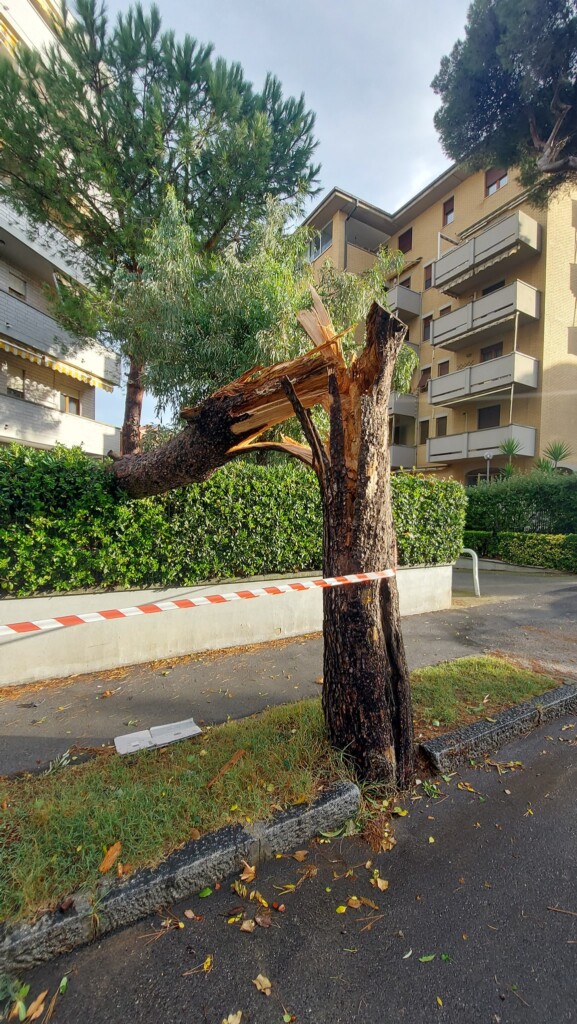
(130, 433)
(219, 428)
(366, 693)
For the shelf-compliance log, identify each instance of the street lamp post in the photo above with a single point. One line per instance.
(488, 456)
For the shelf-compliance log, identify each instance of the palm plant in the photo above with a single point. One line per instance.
(557, 451)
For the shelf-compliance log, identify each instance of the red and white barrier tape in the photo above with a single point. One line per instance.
(61, 621)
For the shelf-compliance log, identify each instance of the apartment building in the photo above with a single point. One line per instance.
(47, 380)
(489, 295)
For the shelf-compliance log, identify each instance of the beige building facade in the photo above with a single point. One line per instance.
(489, 296)
(47, 380)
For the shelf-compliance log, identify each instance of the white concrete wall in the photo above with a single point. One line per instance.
(109, 644)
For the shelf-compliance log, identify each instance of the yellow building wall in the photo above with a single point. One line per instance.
(559, 369)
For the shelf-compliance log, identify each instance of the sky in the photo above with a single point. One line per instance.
(365, 69)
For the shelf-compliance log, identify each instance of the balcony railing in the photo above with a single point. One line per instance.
(23, 324)
(404, 455)
(44, 427)
(404, 302)
(510, 242)
(483, 378)
(485, 316)
(475, 443)
(402, 405)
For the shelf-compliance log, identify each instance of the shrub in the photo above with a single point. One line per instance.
(65, 525)
(545, 550)
(533, 503)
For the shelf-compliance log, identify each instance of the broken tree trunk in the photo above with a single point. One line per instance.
(225, 424)
(366, 695)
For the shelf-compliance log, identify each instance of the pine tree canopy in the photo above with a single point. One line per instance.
(509, 91)
(95, 128)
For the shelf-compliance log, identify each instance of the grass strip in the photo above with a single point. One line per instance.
(55, 828)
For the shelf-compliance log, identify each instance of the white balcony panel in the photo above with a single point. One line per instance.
(482, 378)
(510, 242)
(485, 316)
(43, 427)
(403, 455)
(23, 324)
(404, 302)
(402, 405)
(474, 443)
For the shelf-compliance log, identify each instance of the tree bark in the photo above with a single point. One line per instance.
(130, 433)
(366, 692)
(225, 423)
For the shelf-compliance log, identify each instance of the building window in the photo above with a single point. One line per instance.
(70, 404)
(423, 431)
(441, 426)
(495, 179)
(321, 241)
(491, 352)
(15, 384)
(424, 378)
(428, 276)
(489, 417)
(406, 240)
(16, 285)
(449, 211)
(427, 321)
(493, 288)
(443, 368)
(406, 283)
(444, 310)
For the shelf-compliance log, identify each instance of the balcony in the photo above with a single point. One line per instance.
(471, 265)
(402, 405)
(404, 455)
(484, 378)
(485, 317)
(475, 443)
(404, 302)
(22, 323)
(43, 427)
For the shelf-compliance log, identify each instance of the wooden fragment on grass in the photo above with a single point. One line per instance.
(229, 764)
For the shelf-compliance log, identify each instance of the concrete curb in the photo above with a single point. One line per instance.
(186, 871)
(450, 750)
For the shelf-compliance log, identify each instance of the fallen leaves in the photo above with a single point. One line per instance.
(36, 1008)
(249, 872)
(300, 855)
(110, 858)
(248, 926)
(204, 968)
(262, 984)
(233, 1018)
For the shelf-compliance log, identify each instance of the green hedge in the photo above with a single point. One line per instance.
(64, 524)
(550, 551)
(535, 502)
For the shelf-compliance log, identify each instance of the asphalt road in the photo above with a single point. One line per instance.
(491, 904)
(528, 614)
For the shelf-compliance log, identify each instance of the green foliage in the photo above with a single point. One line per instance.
(550, 551)
(95, 128)
(64, 525)
(201, 320)
(557, 451)
(429, 518)
(509, 93)
(539, 502)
